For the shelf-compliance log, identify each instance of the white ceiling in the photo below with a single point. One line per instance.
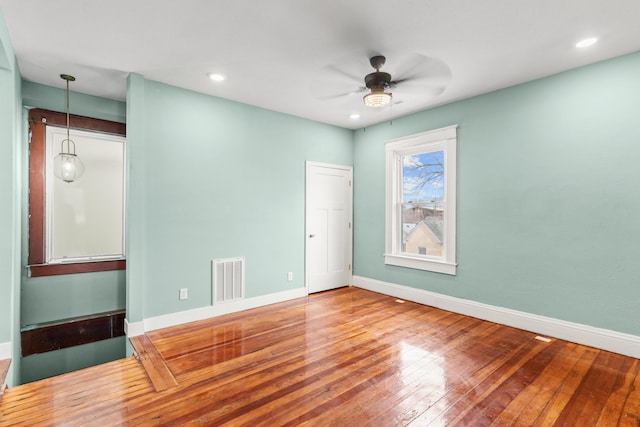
(296, 56)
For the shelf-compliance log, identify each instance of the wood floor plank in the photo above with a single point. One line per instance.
(589, 397)
(347, 357)
(621, 391)
(455, 364)
(631, 408)
(566, 389)
(527, 406)
(4, 370)
(509, 384)
(155, 366)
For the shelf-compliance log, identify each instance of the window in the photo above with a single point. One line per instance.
(76, 227)
(421, 211)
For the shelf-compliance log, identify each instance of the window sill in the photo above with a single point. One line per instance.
(420, 264)
(74, 268)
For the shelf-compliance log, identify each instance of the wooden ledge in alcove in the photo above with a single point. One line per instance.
(153, 363)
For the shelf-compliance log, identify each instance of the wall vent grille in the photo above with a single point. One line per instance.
(228, 280)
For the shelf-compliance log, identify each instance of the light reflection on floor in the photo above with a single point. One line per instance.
(427, 367)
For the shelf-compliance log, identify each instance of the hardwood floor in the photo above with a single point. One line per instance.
(342, 358)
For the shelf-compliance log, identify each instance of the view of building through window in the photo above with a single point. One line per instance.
(423, 206)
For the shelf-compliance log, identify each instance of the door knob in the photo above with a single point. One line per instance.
(312, 235)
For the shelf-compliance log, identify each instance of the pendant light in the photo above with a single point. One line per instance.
(67, 166)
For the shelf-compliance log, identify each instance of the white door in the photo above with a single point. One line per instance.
(328, 224)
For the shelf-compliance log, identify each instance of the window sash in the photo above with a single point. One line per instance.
(436, 234)
(395, 253)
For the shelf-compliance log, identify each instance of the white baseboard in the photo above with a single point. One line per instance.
(133, 329)
(6, 350)
(182, 317)
(604, 339)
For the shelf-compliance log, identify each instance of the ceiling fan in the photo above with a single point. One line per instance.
(421, 77)
(378, 82)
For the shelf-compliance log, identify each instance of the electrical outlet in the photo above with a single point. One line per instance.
(184, 293)
(290, 276)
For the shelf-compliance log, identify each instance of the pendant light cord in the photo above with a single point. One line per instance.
(68, 78)
(67, 109)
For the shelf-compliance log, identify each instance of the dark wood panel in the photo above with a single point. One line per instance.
(51, 336)
(75, 268)
(347, 357)
(54, 118)
(36, 193)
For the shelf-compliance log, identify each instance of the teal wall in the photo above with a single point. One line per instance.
(211, 178)
(45, 365)
(53, 298)
(548, 197)
(52, 98)
(10, 170)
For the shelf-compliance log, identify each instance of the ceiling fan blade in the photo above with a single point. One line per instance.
(344, 94)
(394, 83)
(409, 66)
(337, 80)
(417, 82)
(415, 97)
(430, 71)
(353, 77)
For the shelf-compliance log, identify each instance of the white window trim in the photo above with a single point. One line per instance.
(438, 139)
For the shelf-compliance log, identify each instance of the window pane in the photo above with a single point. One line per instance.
(423, 177)
(423, 203)
(86, 216)
(423, 229)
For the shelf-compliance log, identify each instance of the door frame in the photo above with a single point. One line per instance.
(349, 169)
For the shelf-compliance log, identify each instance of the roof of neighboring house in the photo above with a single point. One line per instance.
(406, 230)
(432, 223)
(416, 214)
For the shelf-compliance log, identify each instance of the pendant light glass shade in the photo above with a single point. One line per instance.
(67, 166)
(378, 98)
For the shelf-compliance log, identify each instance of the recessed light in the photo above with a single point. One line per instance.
(354, 116)
(217, 77)
(587, 42)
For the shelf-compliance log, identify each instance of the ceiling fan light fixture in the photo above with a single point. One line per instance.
(378, 98)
